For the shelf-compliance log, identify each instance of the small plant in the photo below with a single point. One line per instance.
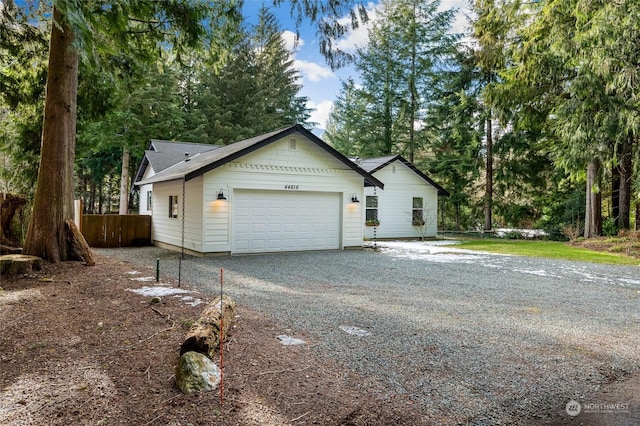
(609, 228)
(572, 231)
(372, 222)
(418, 222)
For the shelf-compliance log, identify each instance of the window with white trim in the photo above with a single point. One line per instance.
(173, 206)
(417, 211)
(371, 209)
(149, 200)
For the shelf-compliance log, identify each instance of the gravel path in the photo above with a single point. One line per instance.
(476, 338)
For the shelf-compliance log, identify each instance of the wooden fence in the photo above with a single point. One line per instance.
(109, 231)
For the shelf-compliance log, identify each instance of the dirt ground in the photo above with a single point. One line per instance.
(77, 347)
(626, 244)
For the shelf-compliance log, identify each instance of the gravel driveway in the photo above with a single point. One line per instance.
(475, 338)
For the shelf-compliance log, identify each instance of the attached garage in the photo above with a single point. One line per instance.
(283, 191)
(273, 221)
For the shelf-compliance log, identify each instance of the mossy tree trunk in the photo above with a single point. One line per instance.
(47, 236)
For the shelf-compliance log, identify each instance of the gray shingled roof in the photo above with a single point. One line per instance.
(167, 153)
(163, 154)
(203, 162)
(373, 164)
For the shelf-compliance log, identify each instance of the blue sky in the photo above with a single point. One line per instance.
(319, 83)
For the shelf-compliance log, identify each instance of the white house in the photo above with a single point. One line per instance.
(408, 206)
(282, 191)
(160, 155)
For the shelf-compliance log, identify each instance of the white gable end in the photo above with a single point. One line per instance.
(396, 203)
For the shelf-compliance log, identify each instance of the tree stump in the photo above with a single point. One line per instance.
(204, 335)
(17, 264)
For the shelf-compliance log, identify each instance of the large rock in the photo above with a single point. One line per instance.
(195, 373)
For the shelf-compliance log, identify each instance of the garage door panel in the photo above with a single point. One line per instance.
(285, 221)
(258, 228)
(275, 227)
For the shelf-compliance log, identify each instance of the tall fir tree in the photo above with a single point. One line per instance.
(256, 90)
(407, 43)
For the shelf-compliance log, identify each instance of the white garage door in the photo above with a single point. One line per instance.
(268, 221)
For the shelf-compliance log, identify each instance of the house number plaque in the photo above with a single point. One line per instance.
(292, 187)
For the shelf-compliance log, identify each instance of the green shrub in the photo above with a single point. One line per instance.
(609, 228)
(514, 235)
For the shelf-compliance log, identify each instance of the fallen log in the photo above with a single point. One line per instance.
(204, 334)
(17, 264)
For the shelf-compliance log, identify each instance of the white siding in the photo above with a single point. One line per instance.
(144, 190)
(169, 230)
(277, 167)
(395, 203)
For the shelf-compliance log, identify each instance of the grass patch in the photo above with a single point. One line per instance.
(548, 249)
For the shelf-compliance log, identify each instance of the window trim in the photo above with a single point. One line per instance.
(173, 206)
(372, 204)
(149, 200)
(417, 213)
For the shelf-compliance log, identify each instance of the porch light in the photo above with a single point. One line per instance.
(221, 195)
(354, 198)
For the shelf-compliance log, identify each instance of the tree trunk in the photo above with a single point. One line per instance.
(101, 196)
(488, 200)
(625, 168)
(91, 207)
(615, 195)
(413, 91)
(9, 206)
(124, 182)
(593, 208)
(53, 202)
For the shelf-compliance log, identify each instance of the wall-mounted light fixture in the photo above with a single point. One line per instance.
(354, 198)
(221, 195)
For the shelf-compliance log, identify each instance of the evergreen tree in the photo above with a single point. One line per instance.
(455, 123)
(407, 43)
(346, 122)
(490, 31)
(566, 67)
(256, 90)
(78, 31)
(277, 80)
(23, 59)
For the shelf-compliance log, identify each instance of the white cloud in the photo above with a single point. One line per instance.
(321, 112)
(459, 24)
(292, 42)
(360, 36)
(313, 71)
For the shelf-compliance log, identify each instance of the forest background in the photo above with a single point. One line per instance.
(530, 119)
